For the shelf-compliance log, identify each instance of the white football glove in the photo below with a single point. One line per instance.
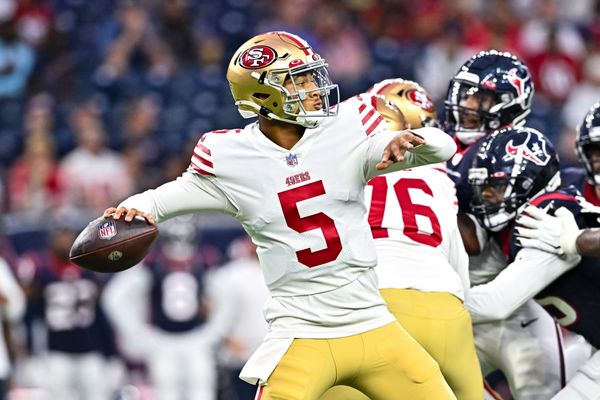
(554, 234)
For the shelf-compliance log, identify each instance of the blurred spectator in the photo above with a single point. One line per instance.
(554, 70)
(136, 41)
(343, 47)
(141, 142)
(176, 30)
(34, 185)
(69, 336)
(237, 294)
(34, 20)
(12, 308)
(159, 310)
(440, 61)
(585, 93)
(93, 175)
(16, 56)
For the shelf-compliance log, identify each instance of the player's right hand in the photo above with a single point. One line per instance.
(130, 214)
(400, 144)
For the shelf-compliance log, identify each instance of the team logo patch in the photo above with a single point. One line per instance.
(107, 230)
(291, 160)
(516, 81)
(421, 99)
(533, 149)
(258, 57)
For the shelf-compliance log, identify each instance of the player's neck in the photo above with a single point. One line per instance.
(281, 133)
(597, 190)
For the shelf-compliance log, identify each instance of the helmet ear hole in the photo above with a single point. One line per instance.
(260, 96)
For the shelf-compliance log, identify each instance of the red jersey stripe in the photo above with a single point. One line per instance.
(552, 196)
(374, 125)
(202, 161)
(367, 117)
(362, 107)
(202, 157)
(200, 168)
(203, 148)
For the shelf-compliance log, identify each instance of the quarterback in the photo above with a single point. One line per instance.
(295, 181)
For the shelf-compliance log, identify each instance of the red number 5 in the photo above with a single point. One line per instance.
(289, 204)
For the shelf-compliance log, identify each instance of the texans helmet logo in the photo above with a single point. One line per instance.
(258, 57)
(533, 149)
(516, 81)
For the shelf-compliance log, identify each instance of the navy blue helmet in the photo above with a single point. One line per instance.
(588, 135)
(491, 90)
(512, 166)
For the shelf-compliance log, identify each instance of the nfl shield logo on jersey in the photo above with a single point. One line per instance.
(291, 160)
(107, 230)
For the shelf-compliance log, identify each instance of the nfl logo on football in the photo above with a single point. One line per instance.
(107, 230)
(291, 160)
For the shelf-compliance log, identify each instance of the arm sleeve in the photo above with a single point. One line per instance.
(520, 281)
(15, 307)
(438, 147)
(459, 260)
(187, 194)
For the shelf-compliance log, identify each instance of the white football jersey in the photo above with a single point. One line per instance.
(304, 209)
(412, 214)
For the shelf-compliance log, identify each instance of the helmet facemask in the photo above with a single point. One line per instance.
(299, 84)
(495, 202)
(584, 148)
(473, 112)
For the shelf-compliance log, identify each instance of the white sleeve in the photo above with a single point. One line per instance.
(459, 260)
(14, 309)
(438, 147)
(187, 194)
(520, 281)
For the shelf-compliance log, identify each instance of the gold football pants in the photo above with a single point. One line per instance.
(384, 363)
(442, 325)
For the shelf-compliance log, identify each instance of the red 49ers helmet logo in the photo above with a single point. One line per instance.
(421, 99)
(258, 57)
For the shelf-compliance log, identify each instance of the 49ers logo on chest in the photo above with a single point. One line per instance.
(258, 57)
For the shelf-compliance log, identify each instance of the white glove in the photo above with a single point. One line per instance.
(554, 234)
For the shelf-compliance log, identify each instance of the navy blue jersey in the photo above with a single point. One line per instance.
(574, 298)
(65, 298)
(458, 170)
(176, 294)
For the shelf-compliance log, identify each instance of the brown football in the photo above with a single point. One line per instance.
(113, 245)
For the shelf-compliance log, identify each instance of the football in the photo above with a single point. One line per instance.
(113, 245)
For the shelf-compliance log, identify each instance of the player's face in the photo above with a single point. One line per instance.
(305, 85)
(493, 194)
(593, 152)
(469, 117)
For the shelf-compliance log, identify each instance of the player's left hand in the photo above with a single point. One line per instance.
(400, 144)
(554, 234)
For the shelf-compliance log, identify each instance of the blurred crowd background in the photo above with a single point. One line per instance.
(101, 99)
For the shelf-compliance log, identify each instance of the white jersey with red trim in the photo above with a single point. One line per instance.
(304, 209)
(413, 220)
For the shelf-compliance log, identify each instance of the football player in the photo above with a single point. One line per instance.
(574, 298)
(12, 308)
(74, 352)
(295, 181)
(422, 265)
(515, 168)
(159, 309)
(490, 91)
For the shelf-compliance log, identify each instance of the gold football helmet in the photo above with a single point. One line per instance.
(257, 73)
(411, 99)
